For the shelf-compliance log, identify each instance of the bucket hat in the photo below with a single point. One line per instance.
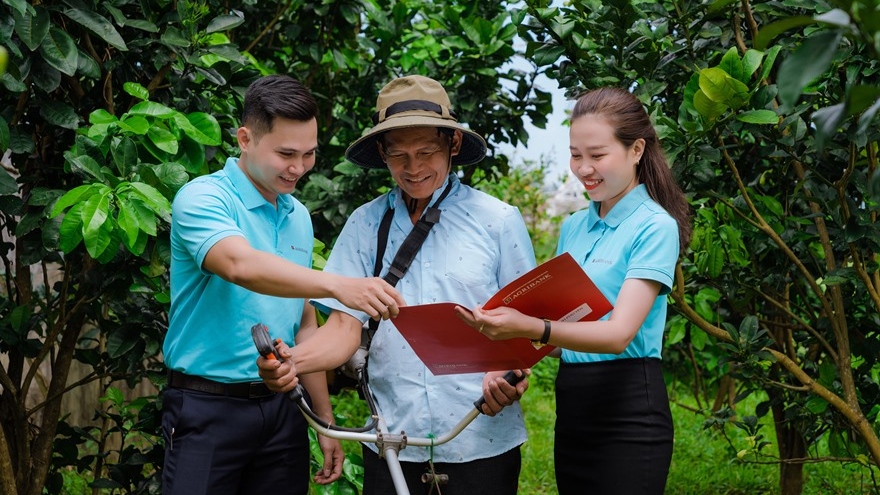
(413, 101)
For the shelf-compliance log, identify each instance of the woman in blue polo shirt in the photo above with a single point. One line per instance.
(613, 429)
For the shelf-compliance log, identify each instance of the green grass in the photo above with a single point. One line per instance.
(702, 462)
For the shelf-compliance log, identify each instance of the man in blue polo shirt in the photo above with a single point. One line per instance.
(478, 245)
(241, 248)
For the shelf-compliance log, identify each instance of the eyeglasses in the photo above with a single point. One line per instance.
(401, 159)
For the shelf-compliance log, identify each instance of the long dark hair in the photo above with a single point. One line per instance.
(630, 121)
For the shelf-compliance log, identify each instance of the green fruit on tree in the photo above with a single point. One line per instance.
(3, 58)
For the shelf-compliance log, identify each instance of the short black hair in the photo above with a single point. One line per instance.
(277, 96)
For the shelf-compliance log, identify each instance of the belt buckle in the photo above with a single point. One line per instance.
(257, 390)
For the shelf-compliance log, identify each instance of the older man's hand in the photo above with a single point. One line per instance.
(500, 394)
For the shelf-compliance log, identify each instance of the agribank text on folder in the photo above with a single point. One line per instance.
(557, 289)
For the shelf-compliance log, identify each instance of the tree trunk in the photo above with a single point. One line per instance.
(791, 447)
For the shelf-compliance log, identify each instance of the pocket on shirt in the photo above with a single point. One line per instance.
(470, 265)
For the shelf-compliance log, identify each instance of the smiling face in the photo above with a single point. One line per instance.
(418, 158)
(605, 167)
(275, 161)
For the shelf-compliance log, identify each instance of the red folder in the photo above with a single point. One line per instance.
(558, 290)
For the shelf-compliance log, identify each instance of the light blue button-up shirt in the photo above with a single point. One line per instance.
(636, 239)
(210, 319)
(479, 245)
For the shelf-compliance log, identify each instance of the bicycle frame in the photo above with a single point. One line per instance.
(389, 443)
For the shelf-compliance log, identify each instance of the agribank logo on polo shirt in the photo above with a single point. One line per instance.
(301, 250)
(603, 261)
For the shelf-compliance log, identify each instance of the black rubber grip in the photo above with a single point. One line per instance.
(511, 378)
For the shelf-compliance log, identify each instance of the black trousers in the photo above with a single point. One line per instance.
(497, 475)
(614, 428)
(221, 445)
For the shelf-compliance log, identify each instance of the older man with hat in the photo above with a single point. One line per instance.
(478, 245)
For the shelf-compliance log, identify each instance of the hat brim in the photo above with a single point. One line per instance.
(365, 153)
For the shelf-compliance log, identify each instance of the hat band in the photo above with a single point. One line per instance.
(409, 105)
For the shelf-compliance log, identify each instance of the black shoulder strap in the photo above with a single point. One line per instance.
(410, 247)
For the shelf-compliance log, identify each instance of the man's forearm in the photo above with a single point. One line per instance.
(330, 346)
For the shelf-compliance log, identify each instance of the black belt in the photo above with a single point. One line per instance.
(246, 390)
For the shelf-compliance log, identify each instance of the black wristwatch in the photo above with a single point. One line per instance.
(544, 338)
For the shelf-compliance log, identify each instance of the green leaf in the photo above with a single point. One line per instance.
(32, 26)
(868, 116)
(835, 17)
(706, 107)
(719, 5)
(59, 51)
(769, 32)
(99, 25)
(153, 199)
(750, 63)
(20, 6)
(146, 219)
(97, 226)
(41, 196)
(862, 97)
(715, 264)
(20, 316)
(809, 61)
(223, 23)
(208, 126)
(4, 134)
(127, 220)
(720, 87)
(677, 330)
(136, 90)
(73, 197)
(125, 156)
(70, 232)
(171, 175)
(60, 114)
(143, 25)
(28, 223)
(101, 116)
(8, 185)
(767, 66)
(152, 109)
(119, 342)
(874, 185)
(135, 124)
(173, 37)
(699, 338)
(12, 84)
(114, 394)
(84, 164)
(827, 121)
(45, 77)
(200, 126)
(164, 139)
(211, 75)
(548, 54)
(87, 66)
(96, 211)
(732, 65)
(758, 117)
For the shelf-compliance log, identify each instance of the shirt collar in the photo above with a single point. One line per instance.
(248, 192)
(621, 210)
